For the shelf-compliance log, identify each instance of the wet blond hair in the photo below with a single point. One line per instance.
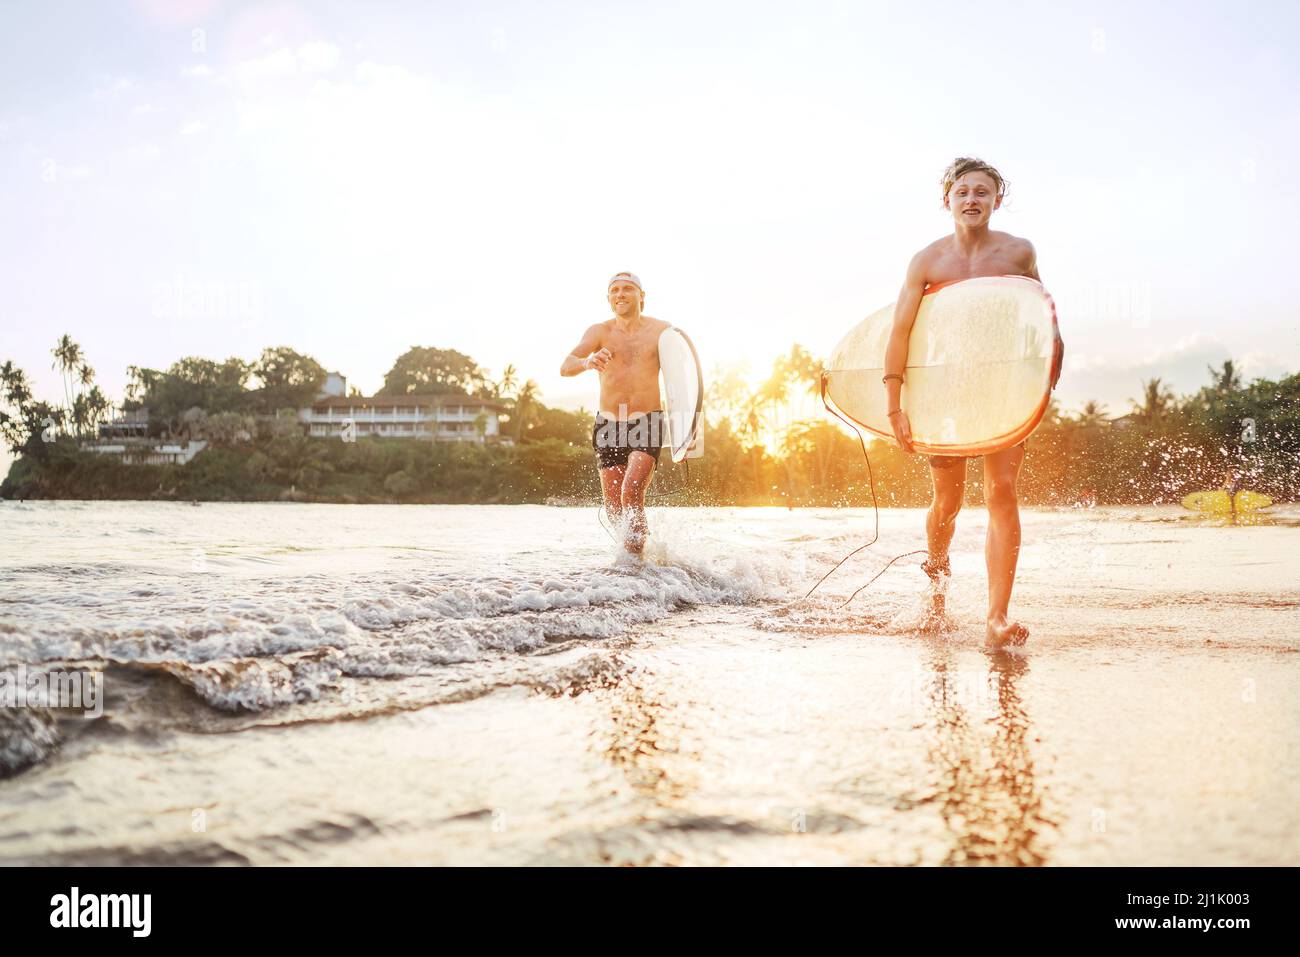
(969, 164)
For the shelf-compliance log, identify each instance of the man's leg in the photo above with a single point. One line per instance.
(611, 489)
(640, 470)
(949, 482)
(949, 479)
(1002, 547)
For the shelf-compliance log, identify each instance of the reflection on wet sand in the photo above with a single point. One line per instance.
(989, 799)
(1238, 519)
(640, 741)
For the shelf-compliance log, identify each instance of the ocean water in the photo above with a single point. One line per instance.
(288, 683)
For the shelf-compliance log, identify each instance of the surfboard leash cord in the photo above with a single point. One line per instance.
(871, 479)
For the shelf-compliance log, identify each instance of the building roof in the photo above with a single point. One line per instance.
(394, 401)
(132, 416)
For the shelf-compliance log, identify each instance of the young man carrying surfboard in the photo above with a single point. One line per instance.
(972, 190)
(630, 427)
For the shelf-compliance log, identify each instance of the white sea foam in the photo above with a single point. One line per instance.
(248, 624)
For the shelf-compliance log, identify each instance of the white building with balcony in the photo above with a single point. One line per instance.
(126, 437)
(126, 425)
(434, 418)
(148, 452)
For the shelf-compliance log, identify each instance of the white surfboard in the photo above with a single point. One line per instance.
(979, 365)
(683, 384)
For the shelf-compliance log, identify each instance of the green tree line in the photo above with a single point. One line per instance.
(769, 444)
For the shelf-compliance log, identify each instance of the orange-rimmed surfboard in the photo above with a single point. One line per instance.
(979, 365)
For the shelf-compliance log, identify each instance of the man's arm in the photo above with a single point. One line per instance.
(1058, 349)
(909, 301)
(588, 354)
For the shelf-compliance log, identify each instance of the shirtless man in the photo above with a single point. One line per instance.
(972, 190)
(629, 429)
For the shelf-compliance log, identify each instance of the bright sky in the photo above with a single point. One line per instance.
(200, 177)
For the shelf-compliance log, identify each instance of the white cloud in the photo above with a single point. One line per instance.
(146, 108)
(1183, 366)
(201, 70)
(1198, 344)
(315, 57)
(318, 56)
(110, 88)
(370, 72)
(280, 63)
(143, 153)
(192, 128)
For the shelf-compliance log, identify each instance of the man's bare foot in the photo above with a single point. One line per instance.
(940, 573)
(1002, 632)
(629, 561)
(934, 567)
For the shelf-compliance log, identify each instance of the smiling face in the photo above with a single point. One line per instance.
(626, 299)
(973, 198)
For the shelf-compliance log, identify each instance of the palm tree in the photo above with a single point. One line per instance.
(15, 405)
(727, 397)
(815, 438)
(523, 407)
(507, 383)
(90, 408)
(800, 367)
(794, 376)
(67, 358)
(754, 417)
(1227, 379)
(1093, 413)
(1157, 400)
(140, 385)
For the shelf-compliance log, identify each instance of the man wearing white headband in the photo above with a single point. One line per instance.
(630, 427)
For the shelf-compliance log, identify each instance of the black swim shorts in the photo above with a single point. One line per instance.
(948, 461)
(614, 440)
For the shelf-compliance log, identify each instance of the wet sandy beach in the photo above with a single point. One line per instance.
(692, 712)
